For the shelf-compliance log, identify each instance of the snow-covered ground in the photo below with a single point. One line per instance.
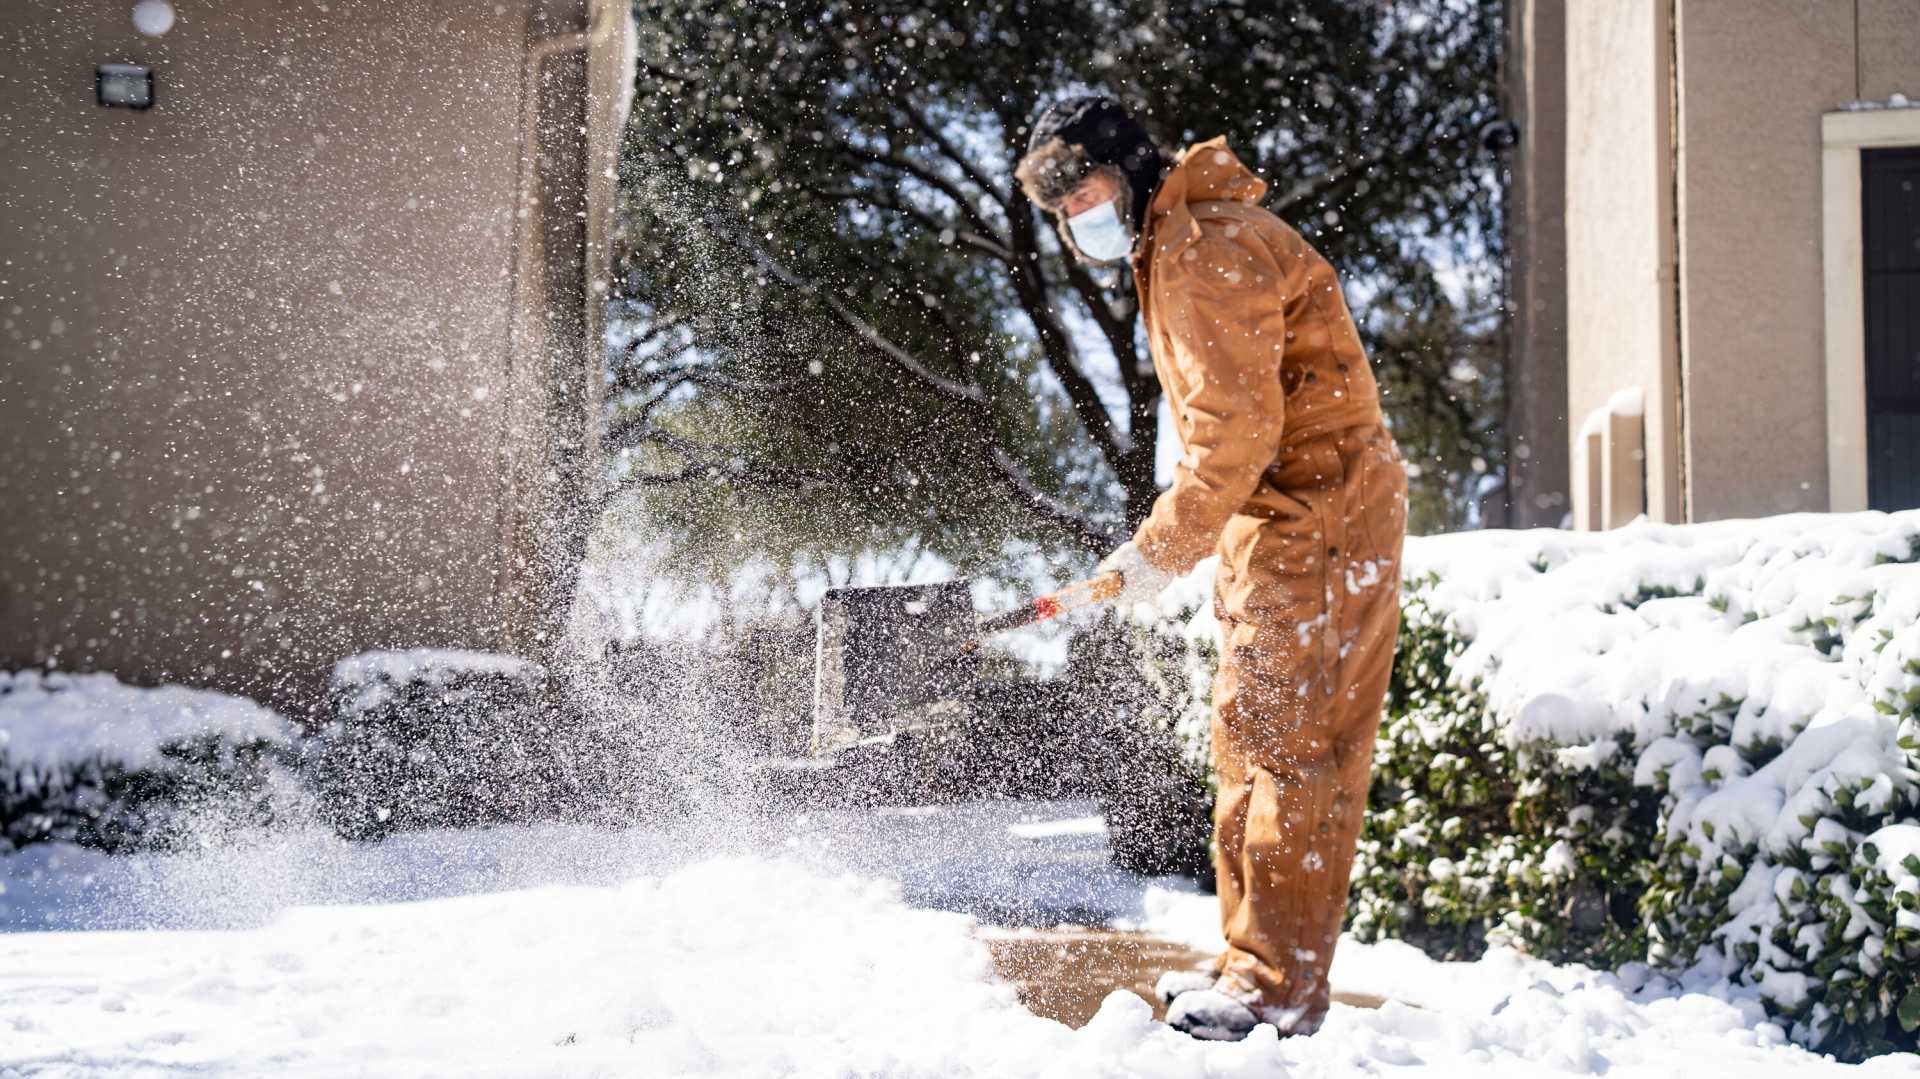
(792, 950)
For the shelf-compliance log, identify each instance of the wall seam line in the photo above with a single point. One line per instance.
(1683, 472)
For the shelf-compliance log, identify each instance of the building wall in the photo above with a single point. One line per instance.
(1889, 44)
(1619, 237)
(1752, 344)
(574, 104)
(1537, 438)
(1701, 119)
(258, 403)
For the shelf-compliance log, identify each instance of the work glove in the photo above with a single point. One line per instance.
(1140, 582)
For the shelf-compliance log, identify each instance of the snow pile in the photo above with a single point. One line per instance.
(744, 966)
(696, 973)
(53, 719)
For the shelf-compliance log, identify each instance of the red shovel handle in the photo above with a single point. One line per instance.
(1054, 604)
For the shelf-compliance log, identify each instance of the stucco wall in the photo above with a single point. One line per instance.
(1739, 428)
(1620, 294)
(1889, 49)
(1537, 433)
(1752, 346)
(256, 352)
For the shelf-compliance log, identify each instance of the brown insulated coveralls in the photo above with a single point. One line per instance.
(1288, 474)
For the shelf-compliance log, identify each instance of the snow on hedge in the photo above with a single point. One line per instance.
(87, 759)
(54, 719)
(1805, 630)
(1760, 679)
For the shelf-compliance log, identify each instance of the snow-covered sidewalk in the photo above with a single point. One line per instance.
(804, 962)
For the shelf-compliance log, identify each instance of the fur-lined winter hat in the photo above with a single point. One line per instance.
(1073, 139)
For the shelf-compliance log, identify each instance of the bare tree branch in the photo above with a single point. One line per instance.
(1077, 524)
(631, 374)
(864, 330)
(932, 131)
(1331, 180)
(906, 165)
(707, 463)
(1117, 330)
(953, 336)
(880, 199)
(1056, 348)
(657, 328)
(633, 426)
(660, 74)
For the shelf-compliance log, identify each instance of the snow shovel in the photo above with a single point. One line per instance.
(894, 658)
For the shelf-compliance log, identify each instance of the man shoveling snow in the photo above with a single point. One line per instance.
(1289, 474)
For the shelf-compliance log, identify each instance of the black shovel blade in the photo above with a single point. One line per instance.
(889, 659)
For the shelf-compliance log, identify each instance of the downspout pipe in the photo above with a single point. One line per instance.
(539, 51)
(1677, 480)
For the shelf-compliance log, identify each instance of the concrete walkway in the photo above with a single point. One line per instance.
(1065, 973)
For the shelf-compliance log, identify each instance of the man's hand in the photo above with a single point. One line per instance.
(1140, 582)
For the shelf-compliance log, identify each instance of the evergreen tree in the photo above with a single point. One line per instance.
(840, 327)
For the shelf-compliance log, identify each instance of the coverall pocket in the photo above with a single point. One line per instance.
(1376, 511)
(1270, 567)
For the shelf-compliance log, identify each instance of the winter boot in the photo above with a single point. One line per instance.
(1175, 982)
(1211, 1015)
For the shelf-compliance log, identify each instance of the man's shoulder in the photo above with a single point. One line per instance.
(1242, 222)
(1227, 242)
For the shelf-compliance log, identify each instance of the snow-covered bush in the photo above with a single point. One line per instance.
(433, 738)
(1468, 834)
(1692, 746)
(1718, 718)
(87, 759)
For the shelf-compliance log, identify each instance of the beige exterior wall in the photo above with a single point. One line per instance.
(276, 349)
(1700, 230)
(1889, 49)
(1619, 237)
(1752, 350)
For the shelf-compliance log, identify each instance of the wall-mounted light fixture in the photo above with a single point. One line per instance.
(124, 86)
(153, 17)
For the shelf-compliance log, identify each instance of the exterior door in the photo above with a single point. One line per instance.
(1890, 200)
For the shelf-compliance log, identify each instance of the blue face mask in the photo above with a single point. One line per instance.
(1099, 234)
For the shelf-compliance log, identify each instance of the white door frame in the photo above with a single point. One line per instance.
(1843, 135)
